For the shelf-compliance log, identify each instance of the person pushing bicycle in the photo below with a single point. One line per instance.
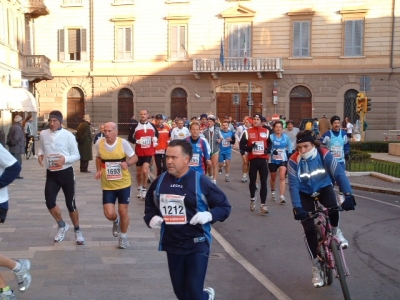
(314, 170)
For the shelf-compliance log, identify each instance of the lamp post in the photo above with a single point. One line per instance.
(249, 100)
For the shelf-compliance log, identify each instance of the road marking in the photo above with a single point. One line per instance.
(379, 201)
(279, 294)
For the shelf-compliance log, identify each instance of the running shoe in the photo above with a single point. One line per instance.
(338, 233)
(214, 181)
(34, 156)
(282, 199)
(273, 196)
(227, 178)
(253, 203)
(116, 229)
(244, 178)
(9, 295)
(316, 276)
(139, 191)
(23, 275)
(220, 171)
(79, 238)
(143, 193)
(264, 209)
(211, 293)
(61, 233)
(122, 242)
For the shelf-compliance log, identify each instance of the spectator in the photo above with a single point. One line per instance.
(29, 131)
(16, 140)
(100, 134)
(84, 139)
(349, 128)
(324, 125)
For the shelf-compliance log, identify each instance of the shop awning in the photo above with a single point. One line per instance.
(21, 100)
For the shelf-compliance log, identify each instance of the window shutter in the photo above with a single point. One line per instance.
(182, 42)
(348, 48)
(120, 43)
(296, 38)
(234, 47)
(354, 37)
(174, 41)
(128, 42)
(61, 45)
(358, 37)
(83, 43)
(305, 39)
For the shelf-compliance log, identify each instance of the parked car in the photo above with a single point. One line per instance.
(304, 122)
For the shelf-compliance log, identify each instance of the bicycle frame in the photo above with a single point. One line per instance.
(321, 215)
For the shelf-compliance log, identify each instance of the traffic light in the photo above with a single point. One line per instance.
(361, 102)
(367, 105)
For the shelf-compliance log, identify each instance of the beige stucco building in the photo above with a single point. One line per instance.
(112, 58)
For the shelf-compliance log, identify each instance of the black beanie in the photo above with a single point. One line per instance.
(57, 115)
(334, 118)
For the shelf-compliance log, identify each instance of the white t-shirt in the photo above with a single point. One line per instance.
(180, 134)
(349, 127)
(6, 160)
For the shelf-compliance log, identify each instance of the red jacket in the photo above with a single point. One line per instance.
(259, 135)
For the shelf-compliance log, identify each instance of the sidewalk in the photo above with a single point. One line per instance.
(96, 270)
(376, 182)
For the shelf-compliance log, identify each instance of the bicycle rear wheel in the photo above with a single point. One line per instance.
(29, 150)
(340, 269)
(328, 272)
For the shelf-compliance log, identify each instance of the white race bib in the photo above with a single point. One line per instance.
(173, 209)
(259, 149)
(195, 161)
(145, 141)
(51, 162)
(279, 156)
(113, 170)
(337, 151)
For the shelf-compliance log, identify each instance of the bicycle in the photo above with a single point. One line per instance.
(329, 251)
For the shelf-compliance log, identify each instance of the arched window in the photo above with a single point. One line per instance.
(349, 106)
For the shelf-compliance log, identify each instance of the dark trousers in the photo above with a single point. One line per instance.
(84, 165)
(327, 198)
(161, 163)
(18, 157)
(258, 165)
(187, 273)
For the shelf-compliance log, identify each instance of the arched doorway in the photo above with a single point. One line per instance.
(300, 104)
(75, 107)
(349, 106)
(125, 110)
(178, 103)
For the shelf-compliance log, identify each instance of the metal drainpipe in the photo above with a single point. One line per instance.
(392, 42)
(91, 52)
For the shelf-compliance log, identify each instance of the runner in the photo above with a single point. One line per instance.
(225, 153)
(214, 137)
(201, 149)
(248, 122)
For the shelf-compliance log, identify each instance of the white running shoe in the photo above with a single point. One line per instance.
(227, 178)
(23, 275)
(338, 233)
(122, 242)
(61, 233)
(282, 199)
(264, 209)
(253, 203)
(211, 293)
(9, 295)
(116, 229)
(79, 238)
(214, 181)
(316, 276)
(273, 196)
(35, 156)
(143, 193)
(244, 178)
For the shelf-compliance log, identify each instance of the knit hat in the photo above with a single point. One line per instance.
(203, 116)
(56, 114)
(334, 118)
(17, 118)
(257, 116)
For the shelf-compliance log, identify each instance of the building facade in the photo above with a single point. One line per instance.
(181, 58)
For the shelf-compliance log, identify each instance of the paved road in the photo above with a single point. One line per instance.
(253, 256)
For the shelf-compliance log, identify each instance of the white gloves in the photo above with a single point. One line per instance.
(154, 139)
(155, 145)
(201, 218)
(156, 222)
(139, 141)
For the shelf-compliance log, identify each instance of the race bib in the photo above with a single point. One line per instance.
(160, 151)
(113, 171)
(259, 149)
(225, 143)
(173, 209)
(146, 141)
(280, 154)
(51, 162)
(195, 161)
(336, 151)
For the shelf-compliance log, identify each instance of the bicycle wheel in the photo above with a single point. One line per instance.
(340, 269)
(328, 272)
(29, 150)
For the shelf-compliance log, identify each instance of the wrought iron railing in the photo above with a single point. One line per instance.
(249, 64)
(359, 163)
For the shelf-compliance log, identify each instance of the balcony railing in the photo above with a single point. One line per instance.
(36, 67)
(237, 64)
(36, 7)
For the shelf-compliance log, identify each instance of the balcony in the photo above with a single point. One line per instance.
(36, 67)
(237, 65)
(36, 8)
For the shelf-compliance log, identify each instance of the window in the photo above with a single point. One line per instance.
(123, 49)
(239, 40)
(301, 39)
(72, 44)
(123, 2)
(72, 3)
(178, 41)
(354, 37)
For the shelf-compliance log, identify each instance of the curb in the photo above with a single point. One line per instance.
(375, 189)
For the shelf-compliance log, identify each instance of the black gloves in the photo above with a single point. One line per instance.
(300, 214)
(349, 203)
(254, 145)
(275, 152)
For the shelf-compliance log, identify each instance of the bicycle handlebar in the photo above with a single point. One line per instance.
(314, 214)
